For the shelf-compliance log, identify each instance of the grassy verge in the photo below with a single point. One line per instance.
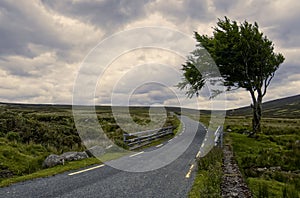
(270, 163)
(208, 179)
(209, 174)
(50, 171)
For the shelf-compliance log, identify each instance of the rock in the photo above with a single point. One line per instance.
(233, 184)
(234, 194)
(261, 169)
(52, 160)
(229, 130)
(6, 173)
(72, 156)
(275, 168)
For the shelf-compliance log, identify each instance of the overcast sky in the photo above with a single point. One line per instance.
(44, 44)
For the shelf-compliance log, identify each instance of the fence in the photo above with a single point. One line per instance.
(219, 136)
(138, 139)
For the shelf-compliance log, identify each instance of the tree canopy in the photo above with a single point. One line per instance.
(244, 57)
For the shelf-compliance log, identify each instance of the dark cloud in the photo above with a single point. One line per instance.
(180, 11)
(19, 27)
(110, 15)
(224, 5)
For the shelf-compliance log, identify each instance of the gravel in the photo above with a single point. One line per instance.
(233, 184)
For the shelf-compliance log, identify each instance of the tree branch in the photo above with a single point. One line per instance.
(267, 83)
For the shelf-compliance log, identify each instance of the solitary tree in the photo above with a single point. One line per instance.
(244, 57)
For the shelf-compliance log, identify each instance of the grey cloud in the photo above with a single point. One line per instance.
(282, 75)
(224, 5)
(152, 93)
(107, 14)
(19, 27)
(287, 32)
(179, 11)
(24, 23)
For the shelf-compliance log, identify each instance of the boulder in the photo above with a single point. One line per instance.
(72, 156)
(52, 160)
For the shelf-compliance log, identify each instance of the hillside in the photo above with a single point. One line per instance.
(288, 107)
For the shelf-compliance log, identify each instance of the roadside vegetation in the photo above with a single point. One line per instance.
(29, 133)
(209, 170)
(208, 178)
(270, 162)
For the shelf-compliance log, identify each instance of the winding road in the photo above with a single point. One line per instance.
(173, 179)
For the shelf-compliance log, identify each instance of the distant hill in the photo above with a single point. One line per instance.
(288, 107)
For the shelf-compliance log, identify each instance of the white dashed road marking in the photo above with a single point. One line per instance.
(136, 154)
(159, 145)
(85, 170)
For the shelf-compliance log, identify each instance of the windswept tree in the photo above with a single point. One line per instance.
(244, 57)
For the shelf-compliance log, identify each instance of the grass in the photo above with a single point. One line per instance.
(113, 155)
(270, 163)
(268, 188)
(209, 171)
(18, 159)
(208, 179)
(50, 171)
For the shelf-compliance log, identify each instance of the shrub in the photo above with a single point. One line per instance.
(13, 136)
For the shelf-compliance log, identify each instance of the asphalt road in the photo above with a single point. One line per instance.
(172, 180)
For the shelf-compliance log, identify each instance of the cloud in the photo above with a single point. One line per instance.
(110, 15)
(43, 43)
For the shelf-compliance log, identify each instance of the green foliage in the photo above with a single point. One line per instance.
(13, 136)
(275, 147)
(72, 165)
(20, 159)
(242, 53)
(48, 128)
(208, 179)
(262, 188)
(263, 191)
(244, 57)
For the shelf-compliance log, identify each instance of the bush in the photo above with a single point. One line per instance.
(13, 136)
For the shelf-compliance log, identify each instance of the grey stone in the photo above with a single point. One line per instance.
(73, 156)
(275, 168)
(261, 169)
(52, 160)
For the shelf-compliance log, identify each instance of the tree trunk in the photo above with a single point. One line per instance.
(257, 113)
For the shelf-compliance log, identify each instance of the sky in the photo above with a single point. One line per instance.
(50, 47)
